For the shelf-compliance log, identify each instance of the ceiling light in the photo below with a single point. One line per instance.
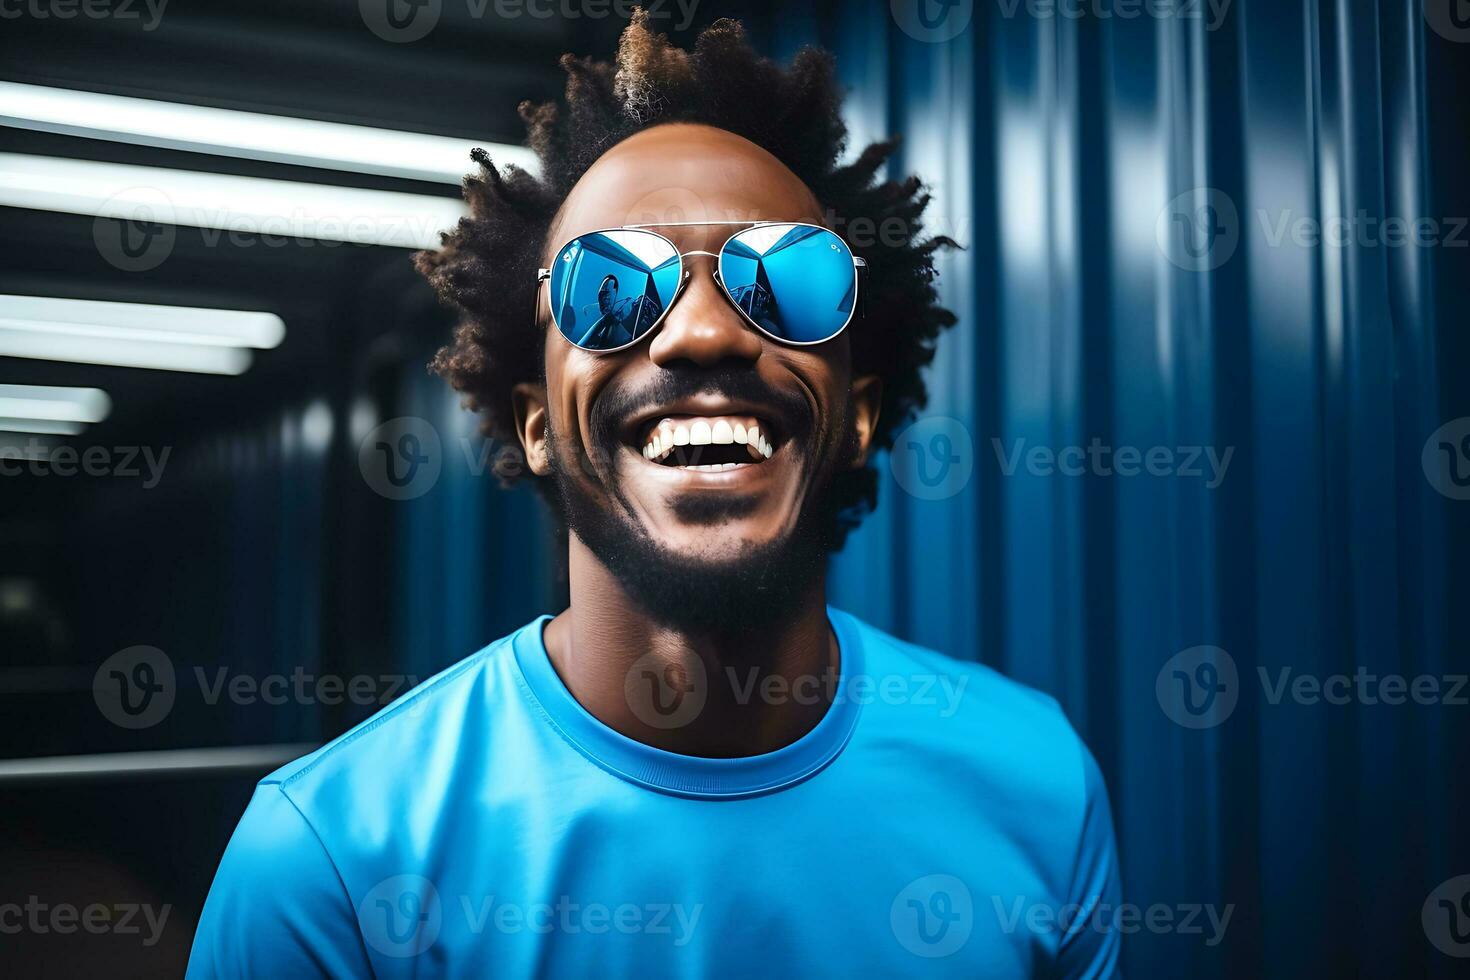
(41, 427)
(139, 335)
(49, 402)
(269, 209)
(247, 135)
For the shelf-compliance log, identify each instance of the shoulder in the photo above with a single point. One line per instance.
(974, 720)
(320, 831)
(981, 695)
(354, 789)
(418, 723)
(1006, 758)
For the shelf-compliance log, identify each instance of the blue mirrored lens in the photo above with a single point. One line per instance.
(796, 282)
(609, 288)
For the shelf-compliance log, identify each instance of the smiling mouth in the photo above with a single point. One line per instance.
(708, 443)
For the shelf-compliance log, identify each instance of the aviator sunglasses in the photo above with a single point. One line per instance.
(794, 282)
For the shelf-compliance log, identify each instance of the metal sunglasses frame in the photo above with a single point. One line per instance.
(544, 275)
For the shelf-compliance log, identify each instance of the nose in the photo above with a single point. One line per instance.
(702, 327)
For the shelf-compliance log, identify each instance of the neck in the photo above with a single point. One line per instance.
(695, 694)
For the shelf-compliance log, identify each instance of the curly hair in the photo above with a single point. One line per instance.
(486, 266)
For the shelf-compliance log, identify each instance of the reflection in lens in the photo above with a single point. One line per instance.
(796, 282)
(609, 288)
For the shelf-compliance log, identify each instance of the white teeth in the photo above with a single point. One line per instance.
(753, 439)
(704, 432)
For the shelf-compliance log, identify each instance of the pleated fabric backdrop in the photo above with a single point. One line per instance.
(1058, 149)
(1136, 196)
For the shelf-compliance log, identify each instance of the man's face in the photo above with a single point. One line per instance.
(704, 368)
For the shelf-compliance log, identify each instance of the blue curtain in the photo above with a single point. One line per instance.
(475, 560)
(1131, 194)
(1121, 186)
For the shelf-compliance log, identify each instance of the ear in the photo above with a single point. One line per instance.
(865, 398)
(530, 408)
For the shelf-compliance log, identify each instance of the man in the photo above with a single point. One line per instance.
(698, 768)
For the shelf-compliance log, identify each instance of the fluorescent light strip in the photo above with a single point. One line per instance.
(194, 358)
(40, 427)
(57, 404)
(247, 135)
(248, 205)
(208, 761)
(142, 321)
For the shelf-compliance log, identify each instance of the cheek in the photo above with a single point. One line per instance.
(563, 381)
(561, 402)
(572, 378)
(829, 379)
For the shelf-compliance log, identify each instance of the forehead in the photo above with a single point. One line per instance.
(683, 172)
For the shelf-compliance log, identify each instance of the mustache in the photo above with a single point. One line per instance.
(673, 383)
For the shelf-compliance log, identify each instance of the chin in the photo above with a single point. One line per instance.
(715, 547)
(723, 578)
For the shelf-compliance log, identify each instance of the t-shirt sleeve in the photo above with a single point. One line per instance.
(1091, 945)
(277, 907)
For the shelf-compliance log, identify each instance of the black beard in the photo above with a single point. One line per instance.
(759, 590)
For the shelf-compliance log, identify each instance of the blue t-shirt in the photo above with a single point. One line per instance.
(939, 820)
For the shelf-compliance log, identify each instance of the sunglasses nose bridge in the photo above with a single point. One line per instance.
(703, 327)
(698, 259)
(695, 268)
